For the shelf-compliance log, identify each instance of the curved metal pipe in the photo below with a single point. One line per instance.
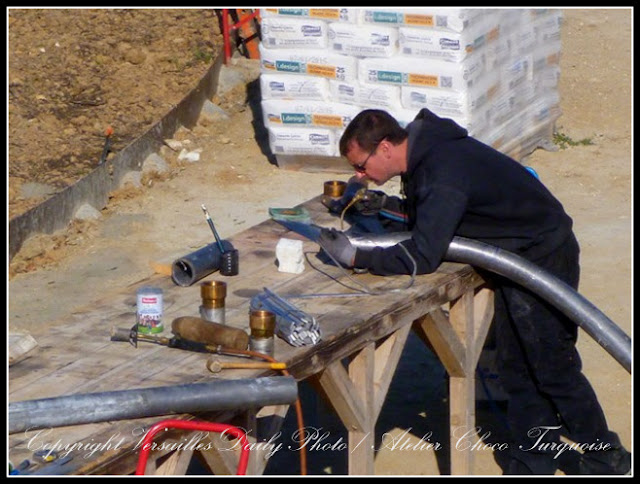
(553, 290)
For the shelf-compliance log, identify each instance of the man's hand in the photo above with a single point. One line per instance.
(371, 202)
(338, 245)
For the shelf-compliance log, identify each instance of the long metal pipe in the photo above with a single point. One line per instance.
(151, 402)
(553, 290)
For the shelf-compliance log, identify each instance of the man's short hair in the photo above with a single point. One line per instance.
(369, 128)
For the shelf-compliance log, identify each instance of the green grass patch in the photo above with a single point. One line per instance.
(563, 141)
(201, 55)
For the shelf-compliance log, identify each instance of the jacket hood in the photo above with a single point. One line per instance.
(432, 130)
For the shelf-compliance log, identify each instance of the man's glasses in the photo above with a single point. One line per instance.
(362, 167)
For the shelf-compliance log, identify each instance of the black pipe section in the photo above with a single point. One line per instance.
(553, 290)
(189, 269)
(151, 402)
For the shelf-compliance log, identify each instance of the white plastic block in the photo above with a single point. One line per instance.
(290, 255)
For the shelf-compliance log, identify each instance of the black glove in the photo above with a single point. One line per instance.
(371, 202)
(338, 245)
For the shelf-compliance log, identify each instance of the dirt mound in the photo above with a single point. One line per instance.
(74, 73)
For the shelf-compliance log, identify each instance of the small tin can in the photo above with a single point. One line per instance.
(149, 312)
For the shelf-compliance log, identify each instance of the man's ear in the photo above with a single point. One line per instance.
(385, 148)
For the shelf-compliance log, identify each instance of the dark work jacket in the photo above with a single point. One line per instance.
(456, 185)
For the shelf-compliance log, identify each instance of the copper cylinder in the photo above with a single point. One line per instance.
(213, 294)
(334, 188)
(262, 323)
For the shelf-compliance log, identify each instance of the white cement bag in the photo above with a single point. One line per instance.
(516, 71)
(406, 71)
(545, 56)
(547, 25)
(328, 14)
(475, 124)
(511, 102)
(403, 116)
(290, 33)
(524, 40)
(454, 19)
(510, 19)
(289, 112)
(365, 95)
(289, 86)
(497, 136)
(450, 46)
(285, 140)
(545, 108)
(529, 128)
(453, 103)
(363, 40)
(498, 52)
(312, 62)
(547, 79)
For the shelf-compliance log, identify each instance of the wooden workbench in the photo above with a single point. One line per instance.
(363, 338)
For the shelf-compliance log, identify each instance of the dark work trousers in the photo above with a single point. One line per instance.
(540, 370)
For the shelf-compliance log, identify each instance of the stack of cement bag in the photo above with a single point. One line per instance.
(493, 71)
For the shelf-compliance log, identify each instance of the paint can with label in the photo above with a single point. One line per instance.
(149, 312)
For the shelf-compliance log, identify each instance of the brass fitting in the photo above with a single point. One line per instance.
(262, 323)
(334, 188)
(213, 294)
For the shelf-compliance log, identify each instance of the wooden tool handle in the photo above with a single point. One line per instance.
(209, 333)
(215, 365)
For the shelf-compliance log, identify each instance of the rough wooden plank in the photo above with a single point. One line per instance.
(461, 318)
(361, 441)
(274, 415)
(175, 465)
(350, 326)
(21, 346)
(347, 403)
(444, 340)
(387, 357)
(220, 456)
(482, 316)
(462, 402)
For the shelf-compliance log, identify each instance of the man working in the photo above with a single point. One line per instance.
(457, 186)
